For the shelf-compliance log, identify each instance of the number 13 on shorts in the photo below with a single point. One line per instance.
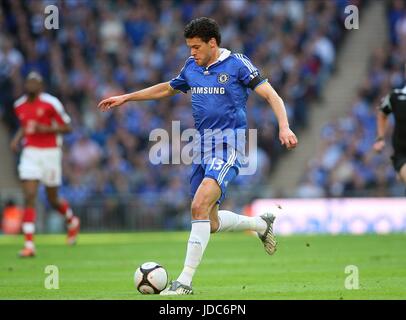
(216, 164)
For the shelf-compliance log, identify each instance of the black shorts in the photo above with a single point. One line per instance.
(398, 160)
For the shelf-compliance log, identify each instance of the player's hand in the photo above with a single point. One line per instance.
(40, 128)
(111, 102)
(379, 145)
(287, 138)
(15, 145)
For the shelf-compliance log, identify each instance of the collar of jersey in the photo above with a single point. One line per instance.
(224, 54)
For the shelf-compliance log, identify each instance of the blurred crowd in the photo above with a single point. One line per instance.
(105, 48)
(346, 164)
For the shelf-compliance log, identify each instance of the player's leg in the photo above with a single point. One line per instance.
(63, 207)
(402, 173)
(51, 166)
(224, 170)
(203, 203)
(399, 164)
(30, 188)
(205, 199)
(29, 172)
(225, 220)
(231, 221)
(263, 225)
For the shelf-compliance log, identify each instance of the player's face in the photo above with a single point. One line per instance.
(200, 50)
(33, 86)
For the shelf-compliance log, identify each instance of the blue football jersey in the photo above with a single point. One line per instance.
(219, 94)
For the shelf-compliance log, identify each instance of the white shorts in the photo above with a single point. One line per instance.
(43, 164)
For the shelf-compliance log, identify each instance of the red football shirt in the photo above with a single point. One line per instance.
(45, 109)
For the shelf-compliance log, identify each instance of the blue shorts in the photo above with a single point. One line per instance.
(222, 167)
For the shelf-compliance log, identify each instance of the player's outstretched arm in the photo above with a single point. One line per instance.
(381, 125)
(286, 136)
(158, 91)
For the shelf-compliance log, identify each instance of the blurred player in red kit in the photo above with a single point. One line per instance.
(42, 122)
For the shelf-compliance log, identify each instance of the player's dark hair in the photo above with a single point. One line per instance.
(203, 28)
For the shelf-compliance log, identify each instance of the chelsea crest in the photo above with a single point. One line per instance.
(223, 78)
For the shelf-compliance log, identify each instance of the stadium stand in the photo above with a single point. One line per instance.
(106, 47)
(345, 164)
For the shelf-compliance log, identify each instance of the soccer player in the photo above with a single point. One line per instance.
(394, 102)
(43, 120)
(219, 82)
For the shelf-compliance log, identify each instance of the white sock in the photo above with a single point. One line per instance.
(230, 221)
(198, 240)
(68, 214)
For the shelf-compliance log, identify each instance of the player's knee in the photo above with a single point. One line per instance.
(29, 198)
(200, 210)
(402, 173)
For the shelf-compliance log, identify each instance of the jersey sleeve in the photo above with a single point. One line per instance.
(386, 106)
(17, 104)
(248, 74)
(180, 82)
(59, 112)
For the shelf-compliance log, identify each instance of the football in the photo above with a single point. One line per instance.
(150, 278)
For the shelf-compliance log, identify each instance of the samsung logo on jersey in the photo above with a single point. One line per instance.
(208, 90)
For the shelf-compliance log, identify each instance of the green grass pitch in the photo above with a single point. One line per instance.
(235, 266)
